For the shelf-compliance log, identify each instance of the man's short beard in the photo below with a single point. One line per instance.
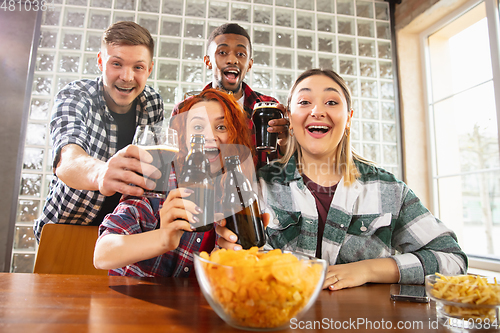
(106, 94)
(234, 91)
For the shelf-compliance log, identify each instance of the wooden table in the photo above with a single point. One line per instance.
(78, 303)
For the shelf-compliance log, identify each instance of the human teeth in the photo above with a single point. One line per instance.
(211, 149)
(319, 127)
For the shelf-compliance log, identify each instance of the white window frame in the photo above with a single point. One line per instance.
(492, 14)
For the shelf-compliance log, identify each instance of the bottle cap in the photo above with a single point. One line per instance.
(232, 160)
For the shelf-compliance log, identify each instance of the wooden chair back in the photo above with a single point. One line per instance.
(67, 249)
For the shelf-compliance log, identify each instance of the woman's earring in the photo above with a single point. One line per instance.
(291, 131)
(347, 131)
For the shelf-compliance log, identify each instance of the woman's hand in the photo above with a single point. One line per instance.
(228, 239)
(345, 276)
(175, 217)
(381, 270)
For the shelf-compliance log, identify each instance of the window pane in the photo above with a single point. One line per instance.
(460, 54)
(470, 205)
(466, 131)
(464, 114)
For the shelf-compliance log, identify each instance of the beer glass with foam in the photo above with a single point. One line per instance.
(162, 143)
(262, 114)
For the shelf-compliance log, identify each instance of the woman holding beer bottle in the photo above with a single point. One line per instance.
(154, 237)
(329, 202)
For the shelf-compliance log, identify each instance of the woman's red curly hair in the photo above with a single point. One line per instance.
(235, 119)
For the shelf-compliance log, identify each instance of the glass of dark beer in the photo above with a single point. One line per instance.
(162, 143)
(262, 114)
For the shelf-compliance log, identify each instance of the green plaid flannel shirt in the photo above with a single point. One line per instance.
(378, 216)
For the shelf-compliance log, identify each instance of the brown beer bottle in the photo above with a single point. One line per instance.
(196, 176)
(241, 206)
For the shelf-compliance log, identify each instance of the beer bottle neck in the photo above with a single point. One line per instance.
(237, 169)
(196, 147)
(196, 160)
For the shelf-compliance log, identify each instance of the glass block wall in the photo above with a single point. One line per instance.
(289, 36)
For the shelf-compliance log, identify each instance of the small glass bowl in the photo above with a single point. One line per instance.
(245, 301)
(460, 315)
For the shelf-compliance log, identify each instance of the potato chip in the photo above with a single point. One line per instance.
(467, 289)
(260, 289)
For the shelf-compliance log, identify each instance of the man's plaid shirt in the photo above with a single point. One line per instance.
(376, 217)
(80, 116)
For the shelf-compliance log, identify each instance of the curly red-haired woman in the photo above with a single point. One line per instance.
(153, 237)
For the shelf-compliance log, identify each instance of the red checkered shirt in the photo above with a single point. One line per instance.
(136, 215)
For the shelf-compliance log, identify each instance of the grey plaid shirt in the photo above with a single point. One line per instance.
(81, 116)
(376, 217)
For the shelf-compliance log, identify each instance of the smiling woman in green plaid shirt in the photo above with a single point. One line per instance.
(326, 201)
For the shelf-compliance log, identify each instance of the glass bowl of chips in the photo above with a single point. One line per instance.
(259, 290)
(465, 301)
